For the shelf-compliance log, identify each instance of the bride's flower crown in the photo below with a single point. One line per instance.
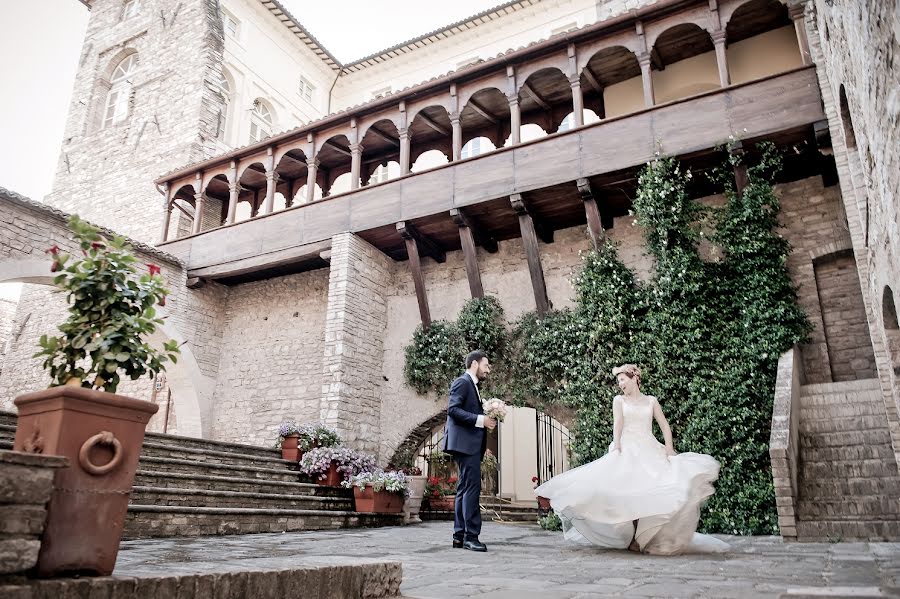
(629, 369)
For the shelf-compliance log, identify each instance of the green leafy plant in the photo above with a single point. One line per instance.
(550, 522)
(433, 359)
(111, 313)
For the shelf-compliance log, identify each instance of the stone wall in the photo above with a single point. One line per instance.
(271, 362)
(7, 313)
(106, 174)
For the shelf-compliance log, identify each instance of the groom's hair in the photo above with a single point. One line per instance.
(475, 356)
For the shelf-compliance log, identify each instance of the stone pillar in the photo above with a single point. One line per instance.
(199, 208)
(405, 143)
(457, 136)
(577, 101)
(312, 166)
(797, 13)
(234, 190)
(721, 58)
(515, 121)
(355, 160)
(649, 99)
(355, 322)
(271, 182)
(167, 214)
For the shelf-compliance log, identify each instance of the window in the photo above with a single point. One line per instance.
(132, 9)
(260, 121)
(225, 89)
(473, 148)
(568, 123)
(306, 89)
(230, 24)
(380, 93)
(118, 99)
(564, 28)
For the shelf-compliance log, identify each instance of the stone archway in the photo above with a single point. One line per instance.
(182, 377)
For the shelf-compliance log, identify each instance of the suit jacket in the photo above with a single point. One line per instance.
(462, 436)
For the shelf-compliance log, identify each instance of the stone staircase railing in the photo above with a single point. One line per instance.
(784, 443)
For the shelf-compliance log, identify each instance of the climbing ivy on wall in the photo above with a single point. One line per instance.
(706, 332)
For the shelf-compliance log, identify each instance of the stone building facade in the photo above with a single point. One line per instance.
(327, 344)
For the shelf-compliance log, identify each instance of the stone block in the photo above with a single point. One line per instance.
(18, 555)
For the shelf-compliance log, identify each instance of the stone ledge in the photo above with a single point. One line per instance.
(320, 578)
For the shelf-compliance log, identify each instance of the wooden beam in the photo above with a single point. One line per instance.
(345, 151)
(427, 246)
(391, 140)
(536, 96)
(656, 60)
(428, 121)
(533, 255)
(483, 112)
(543, 231)
(467, 240)
(592, 80)
(409, 235)
(592, 212)
(822, 134)
(482, 237)
(740, 171)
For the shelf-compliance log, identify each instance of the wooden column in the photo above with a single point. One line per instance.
(254, 209)
(740, 171)
(647, 78)
(410, 236)
(269, 205)
(167, 213)
(289, 200)
(467, 239)
(592, 212)
(355, 160)
(532, 253)
(457, 136)
(797, 14)
(234, 190)
(405, 146)
(515, 114)
(718, 38)
(312, 166)
(577, 101)
(199, 203)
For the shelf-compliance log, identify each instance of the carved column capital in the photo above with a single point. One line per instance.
(718, 37)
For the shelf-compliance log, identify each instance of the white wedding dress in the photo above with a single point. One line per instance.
(599, 502)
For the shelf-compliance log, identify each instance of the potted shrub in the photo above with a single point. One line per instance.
(441, 493)
(330, 466)
(543, 502)
(489, 473)
(405, 461)
(295, 440)
(288, 441)
(111, 313)
(378, 492)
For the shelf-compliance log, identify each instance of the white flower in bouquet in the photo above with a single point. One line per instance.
(495, 408)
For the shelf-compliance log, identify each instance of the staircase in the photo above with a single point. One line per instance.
(193, 487)
(849, 485)
(494, 509)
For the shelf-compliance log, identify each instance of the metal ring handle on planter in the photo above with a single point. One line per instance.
(104, 438)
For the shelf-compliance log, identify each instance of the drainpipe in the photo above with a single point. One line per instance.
(330, 91)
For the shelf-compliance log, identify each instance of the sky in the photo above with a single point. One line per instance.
(39, 59)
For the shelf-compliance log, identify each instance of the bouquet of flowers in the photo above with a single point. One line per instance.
(495, 408)
(317, 461)
(392, 482)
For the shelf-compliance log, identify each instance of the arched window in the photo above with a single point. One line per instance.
(225, 88)
(119, 96)
(260, 121)
(131, 9)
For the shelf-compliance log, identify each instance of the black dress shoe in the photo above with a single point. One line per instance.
(474, 546)
(457, 544)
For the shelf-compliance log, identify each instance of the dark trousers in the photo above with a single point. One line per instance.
(467, 518)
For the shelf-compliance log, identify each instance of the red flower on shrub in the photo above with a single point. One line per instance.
(162, 301)
(96, 245)
(154, 269)
(452, 480)
(53, 251)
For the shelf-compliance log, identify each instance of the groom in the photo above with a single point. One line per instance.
(466, 441)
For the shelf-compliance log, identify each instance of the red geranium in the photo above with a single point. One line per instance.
(154, 269)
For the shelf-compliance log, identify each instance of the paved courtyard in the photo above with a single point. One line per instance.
(525, 562)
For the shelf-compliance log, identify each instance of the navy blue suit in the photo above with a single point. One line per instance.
(466, 442)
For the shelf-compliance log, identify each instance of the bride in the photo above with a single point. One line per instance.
(641, 495)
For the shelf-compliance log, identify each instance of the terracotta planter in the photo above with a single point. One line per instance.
(382, 502)
(333, 478)
(543, 504)
(413, 504)
(101, 434)
(445, 503)
(289, 449)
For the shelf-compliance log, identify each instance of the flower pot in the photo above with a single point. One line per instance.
(101, 434)
(333, 478)
(382, 502)
(289, 449)
(543, 504)
(444, 503)
(414, 502)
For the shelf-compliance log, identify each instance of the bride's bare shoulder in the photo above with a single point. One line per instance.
(618, 399)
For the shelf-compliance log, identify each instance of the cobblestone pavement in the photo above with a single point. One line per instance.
(525, 562)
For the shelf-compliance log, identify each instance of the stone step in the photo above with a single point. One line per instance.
(213, 456)
(845, 438)
(820, 412)
(847, 488)
(842, 387)
(872, 507)
(179, 480)
(206, 444)
(235, 470)
(840, 424)
(8, 418)
(173, 496)
(852, 468)
(149, 521)
(840, 530)
(6, 444)
(848, 452)
(7, 431)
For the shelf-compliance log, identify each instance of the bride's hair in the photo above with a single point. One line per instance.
(629, 370)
